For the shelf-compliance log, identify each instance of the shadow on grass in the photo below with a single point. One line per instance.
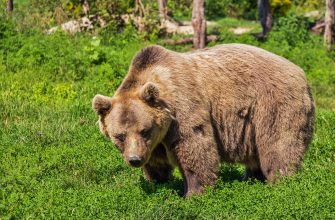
(153, 187)
(230, 173)
(227, 173)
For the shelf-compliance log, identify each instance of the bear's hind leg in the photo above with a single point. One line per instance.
(275, 166)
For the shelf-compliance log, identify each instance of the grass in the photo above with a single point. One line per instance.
(234, 23)
(56, 164)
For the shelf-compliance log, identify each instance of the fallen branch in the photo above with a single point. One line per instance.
(190, 40)
(317, 27)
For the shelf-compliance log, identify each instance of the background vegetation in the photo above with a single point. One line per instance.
(56, 164)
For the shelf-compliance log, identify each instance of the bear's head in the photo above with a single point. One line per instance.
(135, 121)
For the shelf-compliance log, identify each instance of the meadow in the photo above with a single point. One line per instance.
(55, 164)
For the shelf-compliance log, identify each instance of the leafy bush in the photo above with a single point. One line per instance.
(7, 27)
(309, 5)
(230, 8)
(10, 37)
(68, 58)
(180, 8)
(290, 30)
(280, 7)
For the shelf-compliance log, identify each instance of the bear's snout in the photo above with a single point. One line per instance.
(135, 161)
(135, 153)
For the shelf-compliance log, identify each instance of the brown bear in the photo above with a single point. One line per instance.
(234, 103)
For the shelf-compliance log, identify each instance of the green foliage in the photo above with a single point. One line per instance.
(290, 30)
(231, 8)
(7, 28)
(180, 9)
(280, 7)
(309, 5)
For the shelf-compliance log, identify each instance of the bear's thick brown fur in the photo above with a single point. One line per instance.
(233, 103)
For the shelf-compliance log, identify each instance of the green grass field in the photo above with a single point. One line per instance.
(55, 164)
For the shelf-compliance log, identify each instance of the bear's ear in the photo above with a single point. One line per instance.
(101, 104)
(150, 93)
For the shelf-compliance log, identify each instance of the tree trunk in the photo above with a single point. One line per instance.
(199, 24)
(265, 16)
(140, 8)
(329, 36)
(162, 7)
(10, 6)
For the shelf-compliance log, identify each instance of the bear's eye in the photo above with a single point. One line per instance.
(146, 133)
(120, 137)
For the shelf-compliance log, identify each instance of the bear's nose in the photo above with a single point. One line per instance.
(135, 161)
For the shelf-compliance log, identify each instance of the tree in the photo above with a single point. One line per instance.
(139, 8)
(162, 7)
(199, 24)
(265, 16)
(329, 36)
(10, 6)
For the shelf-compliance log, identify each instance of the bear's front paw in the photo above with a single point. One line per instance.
(194, 191)
(192, 184)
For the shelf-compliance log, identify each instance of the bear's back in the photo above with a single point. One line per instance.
(247, 61)
(238, 70)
